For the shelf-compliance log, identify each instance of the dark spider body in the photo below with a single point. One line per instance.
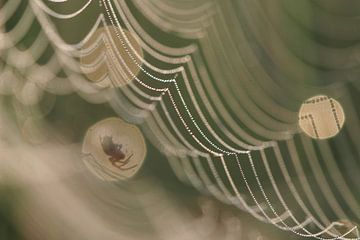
(115, 153)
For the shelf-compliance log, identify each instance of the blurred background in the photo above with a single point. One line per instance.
(209, 99)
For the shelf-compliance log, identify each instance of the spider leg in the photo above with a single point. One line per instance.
(122, 164)
(113, 161)
(129, 157)
(126, 161)
(127, 168)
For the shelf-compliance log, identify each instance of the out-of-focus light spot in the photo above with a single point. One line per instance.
(113, 149)
(121, 64)
(321, 117)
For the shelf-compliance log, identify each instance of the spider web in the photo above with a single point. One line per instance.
(221, 103)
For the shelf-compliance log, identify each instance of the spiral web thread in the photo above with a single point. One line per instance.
(180, 101)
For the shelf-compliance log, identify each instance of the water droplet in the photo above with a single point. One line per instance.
(113, 149)
(118, 53)
(321, 117)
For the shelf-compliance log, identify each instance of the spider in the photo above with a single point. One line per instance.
(116, 155)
